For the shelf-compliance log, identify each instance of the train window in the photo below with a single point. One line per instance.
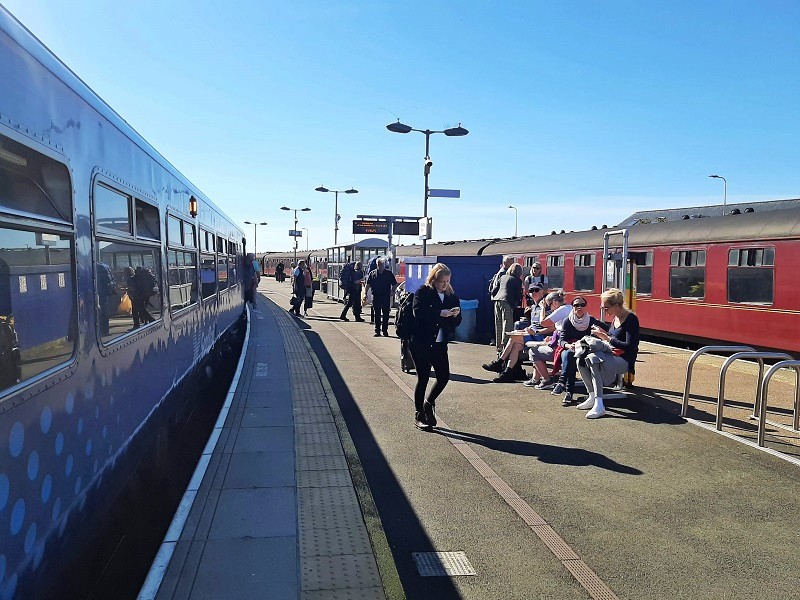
(751, 275)
(220, 245)
(555, 271)
(112, 210)
(182, 278)
(584, 273)
(31, 182)
(188, 235)
(232, 263)
(208, 275)
(36, 279)
(222, 272)
(128, 287)
(529, 260)
(147, 221)
(687, 274)
(644, 272)
(174, 235)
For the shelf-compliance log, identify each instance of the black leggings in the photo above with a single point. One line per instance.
(426, 357)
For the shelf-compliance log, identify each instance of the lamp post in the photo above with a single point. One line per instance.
(724, 191)
(255, 234)
(515, 219)
(336, 217)
(450, 132)
(295, 227)
(306, 230)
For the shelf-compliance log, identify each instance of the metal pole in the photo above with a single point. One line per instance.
(336, 218)
(425, 208)
(295, 237)
(255, 238)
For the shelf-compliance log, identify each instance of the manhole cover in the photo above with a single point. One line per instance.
(442, 564)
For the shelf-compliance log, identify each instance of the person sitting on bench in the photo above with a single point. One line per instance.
(623, 337)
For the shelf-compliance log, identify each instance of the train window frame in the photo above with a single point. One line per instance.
(750, 269)
(686, 263)
(584, 270)
(233, 265)
(140, 243)
(16, 153)
(179, 255)
(555, 271)
(28, 285)
(643, 260)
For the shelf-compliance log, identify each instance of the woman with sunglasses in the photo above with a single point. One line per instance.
(624, 338)
(578, 324)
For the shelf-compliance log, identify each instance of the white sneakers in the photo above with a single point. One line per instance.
(594, 405)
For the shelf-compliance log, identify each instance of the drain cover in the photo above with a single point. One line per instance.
(442, 564)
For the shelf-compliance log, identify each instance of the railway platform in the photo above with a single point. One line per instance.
(512, 496)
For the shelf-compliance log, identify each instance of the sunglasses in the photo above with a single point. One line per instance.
(580, 305)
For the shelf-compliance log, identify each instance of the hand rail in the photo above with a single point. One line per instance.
(762, 414)
(697, 354)
(760, 356)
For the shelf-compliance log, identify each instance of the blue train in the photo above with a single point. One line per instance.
(88, 209)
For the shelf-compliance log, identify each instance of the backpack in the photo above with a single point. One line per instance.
(106, 284)
(346, 276)
(146, 281)
(404, 323)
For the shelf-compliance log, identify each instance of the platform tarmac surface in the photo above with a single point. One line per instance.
(548, 504)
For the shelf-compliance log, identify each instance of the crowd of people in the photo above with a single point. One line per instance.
(532, 322)
(550, 330)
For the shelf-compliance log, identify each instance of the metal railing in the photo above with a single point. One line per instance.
(694, 357)
(759, 356)
(762, 413)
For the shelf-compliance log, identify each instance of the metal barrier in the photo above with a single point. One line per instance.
(762, 413)
(694, 357)
(760, 356)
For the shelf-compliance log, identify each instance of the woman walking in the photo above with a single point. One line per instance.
(437, 313)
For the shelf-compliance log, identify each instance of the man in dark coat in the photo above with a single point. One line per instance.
(382, 282)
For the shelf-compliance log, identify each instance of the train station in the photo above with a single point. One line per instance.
(210, 390)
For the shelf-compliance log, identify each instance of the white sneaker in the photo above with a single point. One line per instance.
(598, 411)
(586, 404)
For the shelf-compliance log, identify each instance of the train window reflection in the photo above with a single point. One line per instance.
(36, 279)
(584, 273)
(147, 221)
(644, 272)
(128, 287)
(111, 209)
(208, 275)
(687, 275)
(182, 278)
(555, 271)
(31, 182)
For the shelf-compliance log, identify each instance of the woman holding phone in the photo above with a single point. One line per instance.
(437, 313)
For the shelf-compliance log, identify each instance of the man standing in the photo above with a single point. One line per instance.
(353, 293)
(381, 281)
(503, 313)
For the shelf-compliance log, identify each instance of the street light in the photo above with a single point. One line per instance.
(450, 132)
(255, 233)
(306, 230)
(295, 227)
(336, 216)
(724, 190)
(515, 219)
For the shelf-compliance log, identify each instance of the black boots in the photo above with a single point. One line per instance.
(496, 365)
(420, 422)
(430, 417)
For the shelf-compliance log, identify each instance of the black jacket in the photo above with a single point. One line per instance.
(427, 319)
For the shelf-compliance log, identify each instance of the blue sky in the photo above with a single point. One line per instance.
(579, 113)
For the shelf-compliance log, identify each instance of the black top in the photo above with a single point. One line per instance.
(626, 337)
(427, 317)
(381, 284)
(570, 334)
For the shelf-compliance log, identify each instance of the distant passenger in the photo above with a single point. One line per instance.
(249, 279)
(353, 293)
(437, 313)
(138, 297)
(298, 287)
(624, 339)
(509, 364)
(381, 282)
(308, 300)
(506, 294)
(535, 277)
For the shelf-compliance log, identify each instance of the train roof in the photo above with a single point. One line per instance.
(714, 210)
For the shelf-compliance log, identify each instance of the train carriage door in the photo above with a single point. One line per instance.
(619, 272)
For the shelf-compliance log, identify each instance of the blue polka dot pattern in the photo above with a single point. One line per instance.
(17, 516)
(68, 466)
(59, 443)
(16, 439)
(2, 567)
(30, 538)
(47, 487)
(4, 486)
(46, 419)
(80, 425)
(88, 447)
(70, 403)
(77, 485)
(56, 509)
(11, 588)
(33, 465)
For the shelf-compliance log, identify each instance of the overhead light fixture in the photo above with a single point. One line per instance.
(193, 206)
(14, 159)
